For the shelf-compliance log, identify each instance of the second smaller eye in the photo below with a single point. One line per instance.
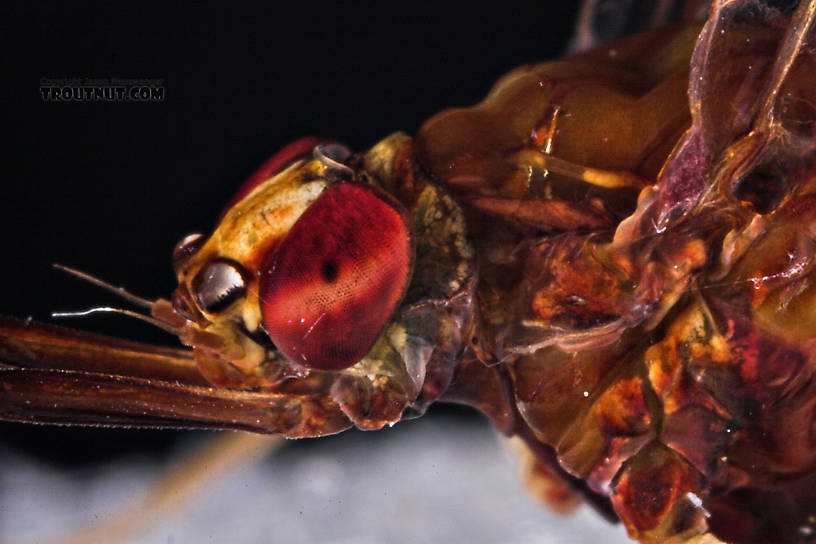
(218, 284)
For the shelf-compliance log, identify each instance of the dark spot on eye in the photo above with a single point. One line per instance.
(474, 340)
(329, 271)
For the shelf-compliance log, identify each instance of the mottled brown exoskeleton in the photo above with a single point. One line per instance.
(611, 256)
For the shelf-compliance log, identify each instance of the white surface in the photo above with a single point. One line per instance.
(437, 479)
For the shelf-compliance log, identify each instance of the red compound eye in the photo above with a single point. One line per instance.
(329, 289)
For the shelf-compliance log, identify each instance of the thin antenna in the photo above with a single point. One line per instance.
(109, 310)
(120, 291)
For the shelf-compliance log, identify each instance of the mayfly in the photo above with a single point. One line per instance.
(611, 256)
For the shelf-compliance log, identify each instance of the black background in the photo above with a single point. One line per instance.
(110, 187)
